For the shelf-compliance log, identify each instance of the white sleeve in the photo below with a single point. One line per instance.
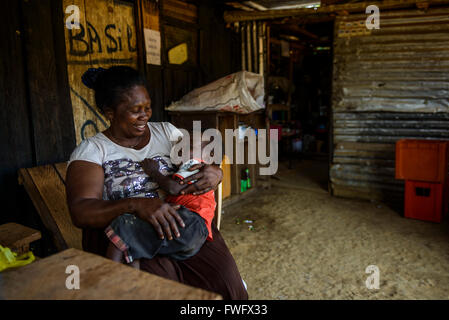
(89, 151)
(172, 132)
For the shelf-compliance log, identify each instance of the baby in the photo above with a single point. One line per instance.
(132, 238)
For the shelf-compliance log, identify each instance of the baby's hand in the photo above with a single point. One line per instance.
(150, 166)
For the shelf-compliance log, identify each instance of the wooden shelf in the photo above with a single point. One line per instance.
(222, 121)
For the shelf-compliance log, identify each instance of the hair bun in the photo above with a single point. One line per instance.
(89, 78)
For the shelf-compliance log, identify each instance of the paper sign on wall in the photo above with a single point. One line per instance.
(153, 46)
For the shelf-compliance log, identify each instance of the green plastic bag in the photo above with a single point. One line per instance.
(9, 259)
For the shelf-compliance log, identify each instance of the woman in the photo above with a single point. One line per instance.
(104, 180)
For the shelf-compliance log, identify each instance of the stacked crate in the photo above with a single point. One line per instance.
(423, 164)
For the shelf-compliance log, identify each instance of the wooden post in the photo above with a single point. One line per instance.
(243, 42)
(255, 49)
(261, 32)
(248, 47)
(290, 85)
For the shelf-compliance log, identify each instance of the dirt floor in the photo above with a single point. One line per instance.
(304, 244)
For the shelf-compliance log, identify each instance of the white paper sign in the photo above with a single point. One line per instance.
(153, 46)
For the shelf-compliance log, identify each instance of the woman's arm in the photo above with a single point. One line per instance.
(166, 183)
(84, 185)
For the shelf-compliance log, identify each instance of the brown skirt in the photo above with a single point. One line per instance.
(213, 268)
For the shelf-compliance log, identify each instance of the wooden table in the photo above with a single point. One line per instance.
(100, 278)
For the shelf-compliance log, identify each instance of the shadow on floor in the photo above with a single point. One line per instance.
(310, 173)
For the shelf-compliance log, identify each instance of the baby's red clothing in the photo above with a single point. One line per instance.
(203, 204)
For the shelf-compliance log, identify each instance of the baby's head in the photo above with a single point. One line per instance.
(197, 145)
(190, 147)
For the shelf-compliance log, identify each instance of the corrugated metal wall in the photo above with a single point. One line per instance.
(389, 84)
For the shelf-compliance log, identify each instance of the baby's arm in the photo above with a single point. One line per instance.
(151, 168)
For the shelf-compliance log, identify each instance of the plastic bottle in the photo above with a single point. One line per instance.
(248, 180)
(243, 181)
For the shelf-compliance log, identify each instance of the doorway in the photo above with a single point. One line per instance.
(299, 89)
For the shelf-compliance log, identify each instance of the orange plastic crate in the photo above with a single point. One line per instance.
(422, 160)
(426, 200)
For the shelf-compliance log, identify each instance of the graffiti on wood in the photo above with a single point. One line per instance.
(105, 36)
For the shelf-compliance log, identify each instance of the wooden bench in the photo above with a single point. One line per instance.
(46, 187)
(17, 237)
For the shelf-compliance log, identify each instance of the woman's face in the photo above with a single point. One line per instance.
(130, 116)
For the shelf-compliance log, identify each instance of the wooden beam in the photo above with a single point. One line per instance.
(310, 19)
(241, 6)
(232, 16)
(298, 30)
(255, 5)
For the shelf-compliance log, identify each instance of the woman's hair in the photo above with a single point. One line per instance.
(110, 84)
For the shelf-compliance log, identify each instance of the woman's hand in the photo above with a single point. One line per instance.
(150, 166)
(161, 215)
(208, 179)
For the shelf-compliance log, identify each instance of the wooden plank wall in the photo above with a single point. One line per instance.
(37, 127)
(214, 50)
(180, 24)
(220, 48)
(149, 19)
(52, 124)
(107, 37)
(36, 123)
(15, 120)
(389, 84)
